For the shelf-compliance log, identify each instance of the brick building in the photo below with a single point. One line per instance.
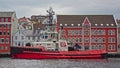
(91, 32)
(8, 22)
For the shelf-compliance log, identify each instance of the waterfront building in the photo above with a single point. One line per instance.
(24, 27)
(90, 32)
(118, 21)
(8, 23)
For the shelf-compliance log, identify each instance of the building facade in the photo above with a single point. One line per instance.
(90, 32)
(8, 22)
(24, 27)
(118, 22)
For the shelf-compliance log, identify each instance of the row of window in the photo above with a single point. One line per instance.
(5, 25)
(98, 40)
(93, 40)
(30, 38)
(5, 33)
(98, 47)
(75, 40)
(98, 32)
(74, 32)
(3, 19)
(86, 32)
(3, 40)
(19, 43)
(3, 47)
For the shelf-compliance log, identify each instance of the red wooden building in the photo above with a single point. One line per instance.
(8, 23)
(91, 32)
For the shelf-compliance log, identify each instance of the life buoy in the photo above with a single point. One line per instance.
(62, 44)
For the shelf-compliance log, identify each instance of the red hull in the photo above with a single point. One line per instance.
(60, 55)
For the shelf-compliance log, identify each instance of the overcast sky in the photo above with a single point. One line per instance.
(79, 7)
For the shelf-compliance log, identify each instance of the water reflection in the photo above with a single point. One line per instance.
(60, 63)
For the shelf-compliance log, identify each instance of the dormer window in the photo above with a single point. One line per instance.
(29, 27)
(65, 24)
(107, 24)
(111, 24)
(60, 24)
(72, 24)
(101, 24)
(78, 24)
(96, 24)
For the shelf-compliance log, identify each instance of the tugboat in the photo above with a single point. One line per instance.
(61, 48)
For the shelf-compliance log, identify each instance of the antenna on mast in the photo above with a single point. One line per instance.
(51, 13)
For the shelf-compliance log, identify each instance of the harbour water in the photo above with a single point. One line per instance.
(60, 63)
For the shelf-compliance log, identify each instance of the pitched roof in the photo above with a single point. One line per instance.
(93, 19)
(6, 14)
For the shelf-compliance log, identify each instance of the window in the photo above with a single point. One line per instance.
(15, 43)
(0, 25)
(93, 47)
(2, 19)
(6, 48)
(63, 32)
(65, 24)
(8, 32)
(80, 32)
(102, 47)
(2, 40)
(78, 24)
(86, 40)
(9, 25)
(28, 37)
(15, 37)
(86, 32)
(4, 25)
(102, 40)
(111, 40)
(92, 40)
(86, 26)
(111, 47)
(76, 32)
(76, 39)
(6, 19)
(7, 40)
(80, 39)
(0, 33)
(69, 32)
(4, 32)
(111, 32)
(95, 24)
(33, 38)
(22, 37)
(2, 48)
(60, 24)
(72, 24)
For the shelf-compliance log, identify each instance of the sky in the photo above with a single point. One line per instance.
(28, 8)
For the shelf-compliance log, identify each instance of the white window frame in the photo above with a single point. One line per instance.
(7, 40)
